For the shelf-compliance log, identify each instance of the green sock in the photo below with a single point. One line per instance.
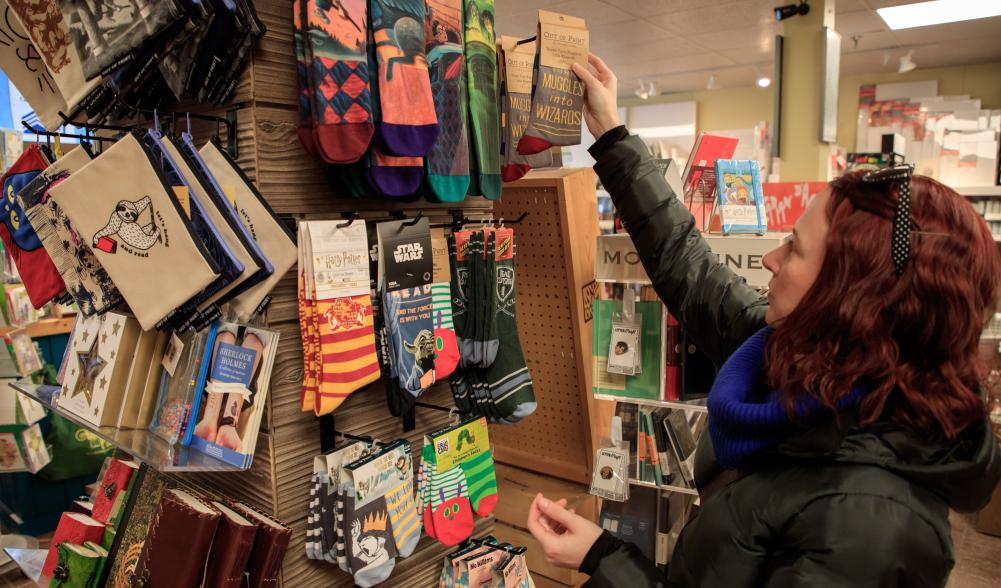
(510, 383)
(487, 337)
(484, 114)
(482, 482)
(448, 162)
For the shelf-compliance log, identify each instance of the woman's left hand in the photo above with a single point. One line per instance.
(565, 536)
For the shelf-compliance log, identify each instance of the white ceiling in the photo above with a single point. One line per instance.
(678, 43)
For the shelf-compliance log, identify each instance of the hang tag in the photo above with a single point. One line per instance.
(616, 431)
(611, 474)
(172, 354)
(623, 348)
(181, 192)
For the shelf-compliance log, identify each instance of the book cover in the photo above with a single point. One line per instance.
(706, 150)
(127, 543)
(233, 400)
(634, 521)
(682, 443)
(113, 486)
(11, 458)
(75, 528)
(629, 414)
(177, 548)
(739, 195)
(35, 450)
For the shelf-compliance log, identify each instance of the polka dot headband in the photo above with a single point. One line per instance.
(899, 175)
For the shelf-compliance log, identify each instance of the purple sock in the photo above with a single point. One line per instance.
(394, 176)
(408, 140)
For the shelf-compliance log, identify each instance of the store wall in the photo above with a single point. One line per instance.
(981, 80)
(737, 108)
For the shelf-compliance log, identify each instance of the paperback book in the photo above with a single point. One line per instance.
(739, 195)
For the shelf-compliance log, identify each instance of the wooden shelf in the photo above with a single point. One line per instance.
(46, 327)
(141, 444)
(694, 405)
(980, 192)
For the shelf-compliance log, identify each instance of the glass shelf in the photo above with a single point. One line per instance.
(139, 443)
(694, 405)
(665, 488)
(29, 561)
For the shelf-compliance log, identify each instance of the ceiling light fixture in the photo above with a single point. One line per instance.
(642, 93)
(791, 10)
(907, 62)
(923, 14)
(652, 90)
(713, 83)
(764, 81)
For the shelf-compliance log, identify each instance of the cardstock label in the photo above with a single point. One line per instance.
(172, 354)
(439, 251)
(564, 41)
(406, 257)
(183, 198)
(460, 444)
(339, 259)
(519, 64)
(374, 477)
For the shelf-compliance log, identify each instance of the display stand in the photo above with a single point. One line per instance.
(555, 285)
(297, 188)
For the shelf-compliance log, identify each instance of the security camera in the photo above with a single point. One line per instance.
(791, 10)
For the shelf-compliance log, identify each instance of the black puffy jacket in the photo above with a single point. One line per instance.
(831, 506)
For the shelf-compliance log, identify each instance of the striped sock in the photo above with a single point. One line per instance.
(482, 483)
(348, 342)
(446, 347)
(307, 396)
(345, 493)
(312, 518)
(424, 490)
(404, 518)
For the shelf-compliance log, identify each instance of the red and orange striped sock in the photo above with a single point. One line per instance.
(347, 338)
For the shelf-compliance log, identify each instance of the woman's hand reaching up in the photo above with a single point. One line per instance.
(601, 111)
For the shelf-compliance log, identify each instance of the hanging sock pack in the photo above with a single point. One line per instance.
(484, 115)
(408, 125)
(557, 94)
(336, 44)
(517, 67)
(448, 160)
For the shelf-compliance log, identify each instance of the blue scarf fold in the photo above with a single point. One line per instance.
(744, 422)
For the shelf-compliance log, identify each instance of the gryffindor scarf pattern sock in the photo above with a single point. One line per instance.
(347, 340)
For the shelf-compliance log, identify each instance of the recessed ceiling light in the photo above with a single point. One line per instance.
(764, 82)
(713, 83)
(923, 14)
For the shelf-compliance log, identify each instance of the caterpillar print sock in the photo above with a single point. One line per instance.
(424, 489)
(409, 125)
(482, 482)
(403, 516)
(306, 124)
(337, 39)
(448, 161)
(371, 548)
(347, 339)
(484, 115)
(446, 348)
(510, 383)
(411, 333)
(452, 514)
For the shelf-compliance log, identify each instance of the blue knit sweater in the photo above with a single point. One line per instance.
(742, 420)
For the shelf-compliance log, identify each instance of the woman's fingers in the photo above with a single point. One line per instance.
(603, 71)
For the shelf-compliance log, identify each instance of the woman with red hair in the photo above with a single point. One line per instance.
(846, 417)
